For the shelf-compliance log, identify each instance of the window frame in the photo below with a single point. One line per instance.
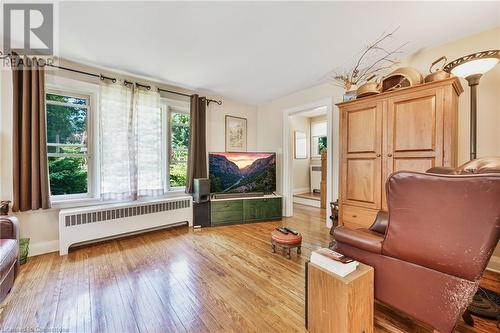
(171, 106)
(83, 90)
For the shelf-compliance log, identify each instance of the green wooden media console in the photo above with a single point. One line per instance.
(245, 210)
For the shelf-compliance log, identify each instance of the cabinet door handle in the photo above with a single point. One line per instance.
(389, 155)
(354, 216)
(378, 155)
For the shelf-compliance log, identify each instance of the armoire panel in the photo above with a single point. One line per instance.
(415, 125)
(362, 131)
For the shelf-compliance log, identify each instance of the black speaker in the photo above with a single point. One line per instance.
(201, 189)
(201, 214)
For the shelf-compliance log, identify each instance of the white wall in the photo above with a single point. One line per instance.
(300, 167)
(216, 115)
(41, 226)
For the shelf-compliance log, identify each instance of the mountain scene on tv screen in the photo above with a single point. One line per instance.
(242, 173)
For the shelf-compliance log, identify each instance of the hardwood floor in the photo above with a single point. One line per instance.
(223, 279)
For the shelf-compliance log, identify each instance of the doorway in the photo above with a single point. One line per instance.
(308, 131)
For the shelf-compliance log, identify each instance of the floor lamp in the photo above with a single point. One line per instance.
(472, 67)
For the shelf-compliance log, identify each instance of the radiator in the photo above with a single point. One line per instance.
(315, 178)
(86, 224)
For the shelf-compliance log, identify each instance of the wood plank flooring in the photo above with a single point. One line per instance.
(223, 279)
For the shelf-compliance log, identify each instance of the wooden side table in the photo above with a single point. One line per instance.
(339, 304)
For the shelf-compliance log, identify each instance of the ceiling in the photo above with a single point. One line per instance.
(314, 112)
(253, 52)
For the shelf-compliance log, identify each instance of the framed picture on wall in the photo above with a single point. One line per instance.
(300, 145)
(236, 134)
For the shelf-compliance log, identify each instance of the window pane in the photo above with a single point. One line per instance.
(179, 155)
(180, 130)
(66, 99)
(68, 175)
(179, 133)
(180, 118)
(178, 174)
(318, 129)
(66, 124)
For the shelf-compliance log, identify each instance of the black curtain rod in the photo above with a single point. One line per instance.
(112, 79)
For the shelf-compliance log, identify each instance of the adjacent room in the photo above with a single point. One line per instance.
(237, 166)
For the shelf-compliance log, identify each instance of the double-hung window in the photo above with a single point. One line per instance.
(68, 146)
(178, 145)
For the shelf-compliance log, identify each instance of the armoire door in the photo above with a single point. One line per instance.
(361, 154)
(414, 133)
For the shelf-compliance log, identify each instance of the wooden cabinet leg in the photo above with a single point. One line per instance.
(289, 256)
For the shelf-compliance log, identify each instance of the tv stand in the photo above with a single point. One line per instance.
(237, 195)
(248, 209)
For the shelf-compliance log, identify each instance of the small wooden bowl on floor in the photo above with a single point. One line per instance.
(286, 241)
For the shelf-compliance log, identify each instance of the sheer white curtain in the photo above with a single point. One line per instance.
(131, 142)
(117, 156)
(148, 122)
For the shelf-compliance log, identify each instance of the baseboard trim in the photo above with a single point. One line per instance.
(307, 202)
(36, 249)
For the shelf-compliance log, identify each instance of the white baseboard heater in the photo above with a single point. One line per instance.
(85, 224)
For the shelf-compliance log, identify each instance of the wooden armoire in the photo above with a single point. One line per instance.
(411, 129)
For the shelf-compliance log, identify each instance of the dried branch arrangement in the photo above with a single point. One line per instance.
(374, 59)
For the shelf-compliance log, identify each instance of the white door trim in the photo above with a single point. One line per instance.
(332, 153)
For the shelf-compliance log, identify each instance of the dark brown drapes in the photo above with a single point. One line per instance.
(31, 183)
(197, 157)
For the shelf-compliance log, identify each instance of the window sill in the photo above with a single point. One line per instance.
(82, 202)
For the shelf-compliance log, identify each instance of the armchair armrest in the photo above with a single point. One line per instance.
(381, 222)
(360, 238)
(9, 227)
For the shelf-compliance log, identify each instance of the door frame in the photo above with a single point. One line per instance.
(333, 154)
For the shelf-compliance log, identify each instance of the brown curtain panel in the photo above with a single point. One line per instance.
(197, 157)
(31, 179)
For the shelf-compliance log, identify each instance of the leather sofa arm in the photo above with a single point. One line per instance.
(360, 238)
(381, 222)
(9, 227)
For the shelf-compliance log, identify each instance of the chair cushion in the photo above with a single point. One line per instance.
(361, 238)
(289, 239)
(9, 249)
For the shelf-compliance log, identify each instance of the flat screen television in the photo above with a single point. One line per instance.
(242, 172)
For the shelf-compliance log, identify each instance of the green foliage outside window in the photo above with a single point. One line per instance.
(322, 144)
(179, 149)
(67, 125)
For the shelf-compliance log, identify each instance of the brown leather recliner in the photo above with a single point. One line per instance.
(9, 253)
(432, 247)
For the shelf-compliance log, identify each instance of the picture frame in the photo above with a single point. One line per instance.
(236, 134)
(300, 146)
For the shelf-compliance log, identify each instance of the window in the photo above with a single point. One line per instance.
(179, 146)
(318, 138)
(67, 143)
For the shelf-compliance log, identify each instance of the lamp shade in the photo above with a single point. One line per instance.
(474, 64)
(478, 66)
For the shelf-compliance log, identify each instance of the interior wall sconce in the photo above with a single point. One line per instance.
(472, 67)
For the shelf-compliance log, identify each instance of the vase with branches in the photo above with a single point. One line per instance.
(374, 59)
